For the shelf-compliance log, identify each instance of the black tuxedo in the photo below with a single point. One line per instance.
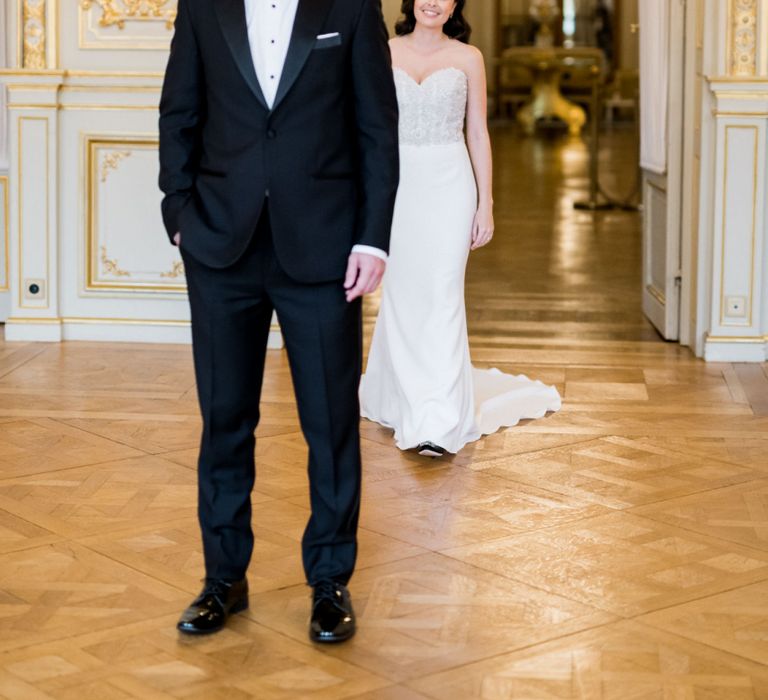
(326, 151)
(269, 203)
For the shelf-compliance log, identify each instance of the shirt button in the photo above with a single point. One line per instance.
(271, 133)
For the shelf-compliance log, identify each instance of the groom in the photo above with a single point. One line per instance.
(278, 160)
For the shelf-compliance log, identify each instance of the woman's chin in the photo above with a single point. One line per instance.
(428, 23)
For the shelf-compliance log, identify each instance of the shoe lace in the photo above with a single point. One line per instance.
(217, 588)
(326, 589)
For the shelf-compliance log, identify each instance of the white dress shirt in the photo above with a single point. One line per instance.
(270, 26)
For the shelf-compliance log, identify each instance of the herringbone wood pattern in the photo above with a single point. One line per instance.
(616, 550)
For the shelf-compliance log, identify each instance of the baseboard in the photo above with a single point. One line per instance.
(724, 349)
(109, 330)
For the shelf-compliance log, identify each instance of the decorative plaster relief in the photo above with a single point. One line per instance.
(743, 37)
(33, 34)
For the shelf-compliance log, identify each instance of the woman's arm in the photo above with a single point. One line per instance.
(479, 143)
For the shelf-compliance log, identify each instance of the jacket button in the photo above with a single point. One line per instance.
(271, 133)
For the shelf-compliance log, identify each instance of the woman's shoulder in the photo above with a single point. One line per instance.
(467, 57)
(466, 52)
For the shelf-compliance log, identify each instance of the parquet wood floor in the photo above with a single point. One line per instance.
(617, 549)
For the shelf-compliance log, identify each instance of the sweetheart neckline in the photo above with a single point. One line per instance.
(428, 77)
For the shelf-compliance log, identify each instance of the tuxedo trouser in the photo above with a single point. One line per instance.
(231, 316)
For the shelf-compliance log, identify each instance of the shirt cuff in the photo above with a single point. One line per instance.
(370, 250)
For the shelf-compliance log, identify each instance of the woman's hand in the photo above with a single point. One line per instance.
(482, 228)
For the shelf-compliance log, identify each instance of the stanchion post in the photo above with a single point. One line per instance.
(593, 203)
(594, 137)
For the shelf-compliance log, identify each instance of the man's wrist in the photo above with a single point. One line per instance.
(370, 250)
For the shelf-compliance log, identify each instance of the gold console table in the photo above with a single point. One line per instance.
(547, 66)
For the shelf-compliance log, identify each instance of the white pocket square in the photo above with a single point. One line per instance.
(320, 37)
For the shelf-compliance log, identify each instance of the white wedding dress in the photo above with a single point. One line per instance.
(419, 380)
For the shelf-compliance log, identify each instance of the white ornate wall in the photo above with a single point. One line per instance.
(3, 63)
(5, 297)
(733, 259)
(89, 255)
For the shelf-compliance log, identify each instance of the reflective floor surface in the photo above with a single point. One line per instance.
(617, 549)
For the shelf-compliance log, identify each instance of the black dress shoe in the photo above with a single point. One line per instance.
(333, 619)
(210, 610)
(429, 449)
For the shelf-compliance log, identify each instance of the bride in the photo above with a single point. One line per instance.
(419, 380)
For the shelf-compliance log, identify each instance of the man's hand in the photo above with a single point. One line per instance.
(364, 273)
(177, 239)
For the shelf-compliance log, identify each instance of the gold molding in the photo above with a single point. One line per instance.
(111, 88)
(742, 37)
(93, 172)
(110, 266)
(6, 236)
(175, 272)
(109, 108)
(107, 321)
(20, 210)
(657, 294)
(93, 320)
(31, 87)
(112, 162)
(46, 320)
(84, 107)
(118, 12)
(729, 79)
(25, 106)
(56, 73)
(114, 28)
(33, 34)
(745, 115)
(737, 339)
(125, 321)
(750, 299)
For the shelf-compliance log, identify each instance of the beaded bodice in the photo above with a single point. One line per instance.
(432, 112)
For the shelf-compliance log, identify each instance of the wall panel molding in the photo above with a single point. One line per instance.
(125, 244)
(125, 24)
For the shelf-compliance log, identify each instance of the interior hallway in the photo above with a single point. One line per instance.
(616, 549)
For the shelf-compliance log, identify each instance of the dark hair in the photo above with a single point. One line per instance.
(456, 27)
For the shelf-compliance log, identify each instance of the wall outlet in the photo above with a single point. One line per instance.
(736, 307)
(34, 290)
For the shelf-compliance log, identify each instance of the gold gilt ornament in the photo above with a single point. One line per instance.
(111, 162)
(111, 266)
(176, 271)
(743, 37)
(117, 12)
(33, 22)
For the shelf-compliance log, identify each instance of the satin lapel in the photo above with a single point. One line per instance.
(309, 20)
(231, 15)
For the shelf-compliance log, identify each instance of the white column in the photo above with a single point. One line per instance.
(3, 110)
(5, 60)
(34, 212)
(735, 230)
(738, 321)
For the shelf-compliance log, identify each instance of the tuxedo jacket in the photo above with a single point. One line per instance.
(326, 153)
